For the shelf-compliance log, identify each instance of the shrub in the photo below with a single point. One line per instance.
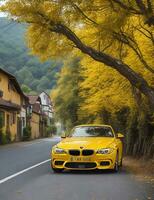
(51, 130)
(26, 133)
(4, 137)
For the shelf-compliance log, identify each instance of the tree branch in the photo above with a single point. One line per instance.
(147, 12)
(141, 6)
(107, 46)
(126, 7)
(122, 37)
(135, 79)
(150, 36)
(83, 14)
(149, 6)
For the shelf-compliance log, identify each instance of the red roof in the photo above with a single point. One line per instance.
(37, 108)
(33, 99)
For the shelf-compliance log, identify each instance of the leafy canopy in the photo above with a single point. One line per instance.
(105, 30)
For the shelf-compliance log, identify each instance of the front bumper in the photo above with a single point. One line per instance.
(95, 161)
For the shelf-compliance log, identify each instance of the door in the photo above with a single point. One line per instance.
(19, 129)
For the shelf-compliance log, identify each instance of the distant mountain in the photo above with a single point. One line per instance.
(14, 57)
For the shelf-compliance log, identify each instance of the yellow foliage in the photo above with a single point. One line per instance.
(101, 89)
(101, 25)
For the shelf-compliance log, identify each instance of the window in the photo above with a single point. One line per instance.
(8, 121)
(92, 131)
(2, 119)
(14, 118)
(11, 86)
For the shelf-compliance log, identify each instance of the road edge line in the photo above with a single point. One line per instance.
(23, 171)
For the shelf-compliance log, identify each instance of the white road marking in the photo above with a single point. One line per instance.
(23, 171)
(32, 143)
(42, 140)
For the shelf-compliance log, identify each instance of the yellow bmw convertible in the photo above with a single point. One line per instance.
(88, 147)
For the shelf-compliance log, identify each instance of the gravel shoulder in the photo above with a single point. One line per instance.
(142, 168)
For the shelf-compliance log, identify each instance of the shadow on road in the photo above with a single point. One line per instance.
(91, 172)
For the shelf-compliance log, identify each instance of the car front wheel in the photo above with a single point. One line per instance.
(56, 170)
(116, 167)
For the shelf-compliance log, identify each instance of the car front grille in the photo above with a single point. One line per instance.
(74, 152)
(75, 165)
(87, 152)
(84, 152)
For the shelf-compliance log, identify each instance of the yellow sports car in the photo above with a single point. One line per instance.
(88, 147)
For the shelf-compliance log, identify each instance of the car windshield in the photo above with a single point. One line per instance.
(90, 131)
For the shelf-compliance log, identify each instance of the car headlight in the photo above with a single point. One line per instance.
(105, 151)
(59, 150)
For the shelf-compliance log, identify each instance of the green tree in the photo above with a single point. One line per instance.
(15, 58)
(26, 89)
(85, 25)
(66, 94)
(44, 82)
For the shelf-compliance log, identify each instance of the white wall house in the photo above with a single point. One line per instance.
(47, 106)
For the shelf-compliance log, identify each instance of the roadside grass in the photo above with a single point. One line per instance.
(142, 168)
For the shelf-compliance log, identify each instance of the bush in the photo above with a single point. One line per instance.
(4, 138)
(51, 130)
(26, 133)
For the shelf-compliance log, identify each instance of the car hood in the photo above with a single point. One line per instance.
(86, 142)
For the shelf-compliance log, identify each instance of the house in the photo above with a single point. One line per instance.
(13, 104)
(18, 111)
(47, 107)
(41, 114)
(34, 119)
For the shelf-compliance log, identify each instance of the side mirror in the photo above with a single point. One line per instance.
(120, 136)
(63, 135)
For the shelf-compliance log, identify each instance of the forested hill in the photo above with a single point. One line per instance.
(15, 58)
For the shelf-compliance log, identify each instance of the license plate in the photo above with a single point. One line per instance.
(80, 159)
(81, 166)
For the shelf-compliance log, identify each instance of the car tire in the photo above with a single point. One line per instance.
(121, 163)
(116, 167)
(57, 170)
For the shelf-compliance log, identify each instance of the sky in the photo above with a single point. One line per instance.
(1, 13)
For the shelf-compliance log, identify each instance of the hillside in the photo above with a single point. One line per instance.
(15, 58)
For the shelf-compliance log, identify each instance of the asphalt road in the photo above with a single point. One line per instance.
(25, 174)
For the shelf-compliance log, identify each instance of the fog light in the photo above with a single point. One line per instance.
(59, 162)
(105, 163)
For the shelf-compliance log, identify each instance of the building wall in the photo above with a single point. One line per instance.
(23, 119)
(8, 94)
(35, 125)
(12, 118)
(10, 124)
(46, 106)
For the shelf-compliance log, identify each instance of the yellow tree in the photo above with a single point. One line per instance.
(108, 98)
(57, 26)
(106, 92)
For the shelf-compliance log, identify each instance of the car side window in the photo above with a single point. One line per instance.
(110, 133)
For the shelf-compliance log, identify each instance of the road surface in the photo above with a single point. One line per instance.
(25, 174)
